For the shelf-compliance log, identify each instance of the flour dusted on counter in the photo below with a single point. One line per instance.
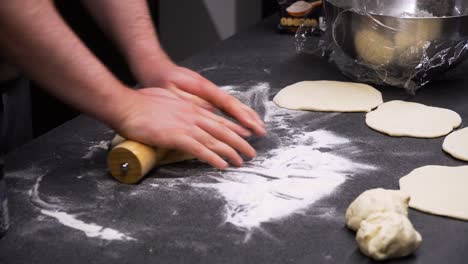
(55, 210)
(284, 181)
(96, 147)
(299, 169)
(90, 229)
(35, 197)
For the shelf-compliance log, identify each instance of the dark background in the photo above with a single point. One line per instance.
(48, 112)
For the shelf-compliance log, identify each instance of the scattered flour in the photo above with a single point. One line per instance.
(102, 145)
(209, 68)
(90, 229)
(284, 181)
(230, 88)
(53, 210)
(35, 198)
(287, 179)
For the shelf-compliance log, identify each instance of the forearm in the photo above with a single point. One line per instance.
(35, 38)
(129, 23)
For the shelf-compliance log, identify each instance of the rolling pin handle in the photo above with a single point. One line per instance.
(129, 161)
(124, 167)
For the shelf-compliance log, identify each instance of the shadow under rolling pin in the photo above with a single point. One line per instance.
(129, 161)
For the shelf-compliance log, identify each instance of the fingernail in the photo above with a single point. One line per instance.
(259, 120)
(261, 131)
(239, 164)
(258, 129)
(246, 133)
(224, 166)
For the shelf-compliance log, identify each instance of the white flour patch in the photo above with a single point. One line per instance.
(209, 68)
(25, 174)
(35, 197)
(284, 181)
(90, 229)
(52, 209)
(102, 145)
(288, 178)
(230, 88)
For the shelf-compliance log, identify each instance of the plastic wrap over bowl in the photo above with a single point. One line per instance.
(404, 43)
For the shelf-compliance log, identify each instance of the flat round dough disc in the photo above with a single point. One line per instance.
(400, 119)
(329, 96)
(456, 144)
(438, 190)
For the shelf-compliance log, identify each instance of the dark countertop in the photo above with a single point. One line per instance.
(184, 213)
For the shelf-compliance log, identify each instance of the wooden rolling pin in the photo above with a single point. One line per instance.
(129, 161)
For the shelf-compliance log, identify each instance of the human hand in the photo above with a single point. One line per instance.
(158, 117)
(191, 86)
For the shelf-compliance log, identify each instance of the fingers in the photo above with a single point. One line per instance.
(235, 108)
(192, 98)
(157, 93)
(219, 139)
(160, 118)
(224, 134)
(218, 147)
(254, 115)
(229, 124)
(195, 84)
(191, 146)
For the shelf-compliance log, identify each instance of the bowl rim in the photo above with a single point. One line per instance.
(390, 16)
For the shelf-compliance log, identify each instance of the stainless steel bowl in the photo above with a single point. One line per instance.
(406, 31)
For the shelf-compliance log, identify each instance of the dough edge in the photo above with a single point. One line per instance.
(449, 140)
(370, 122)
(426, 210)
(377, 99)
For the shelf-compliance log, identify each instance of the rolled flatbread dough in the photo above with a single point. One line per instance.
(456, 144)
(438, 190)
(400, 119)
(329, 96)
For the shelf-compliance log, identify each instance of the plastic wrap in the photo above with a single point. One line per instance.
(390, 45)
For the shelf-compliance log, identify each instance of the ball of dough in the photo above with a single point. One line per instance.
(413, 39)
(409, 52)
(374, 48)
(376, 201)
(387, 235)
